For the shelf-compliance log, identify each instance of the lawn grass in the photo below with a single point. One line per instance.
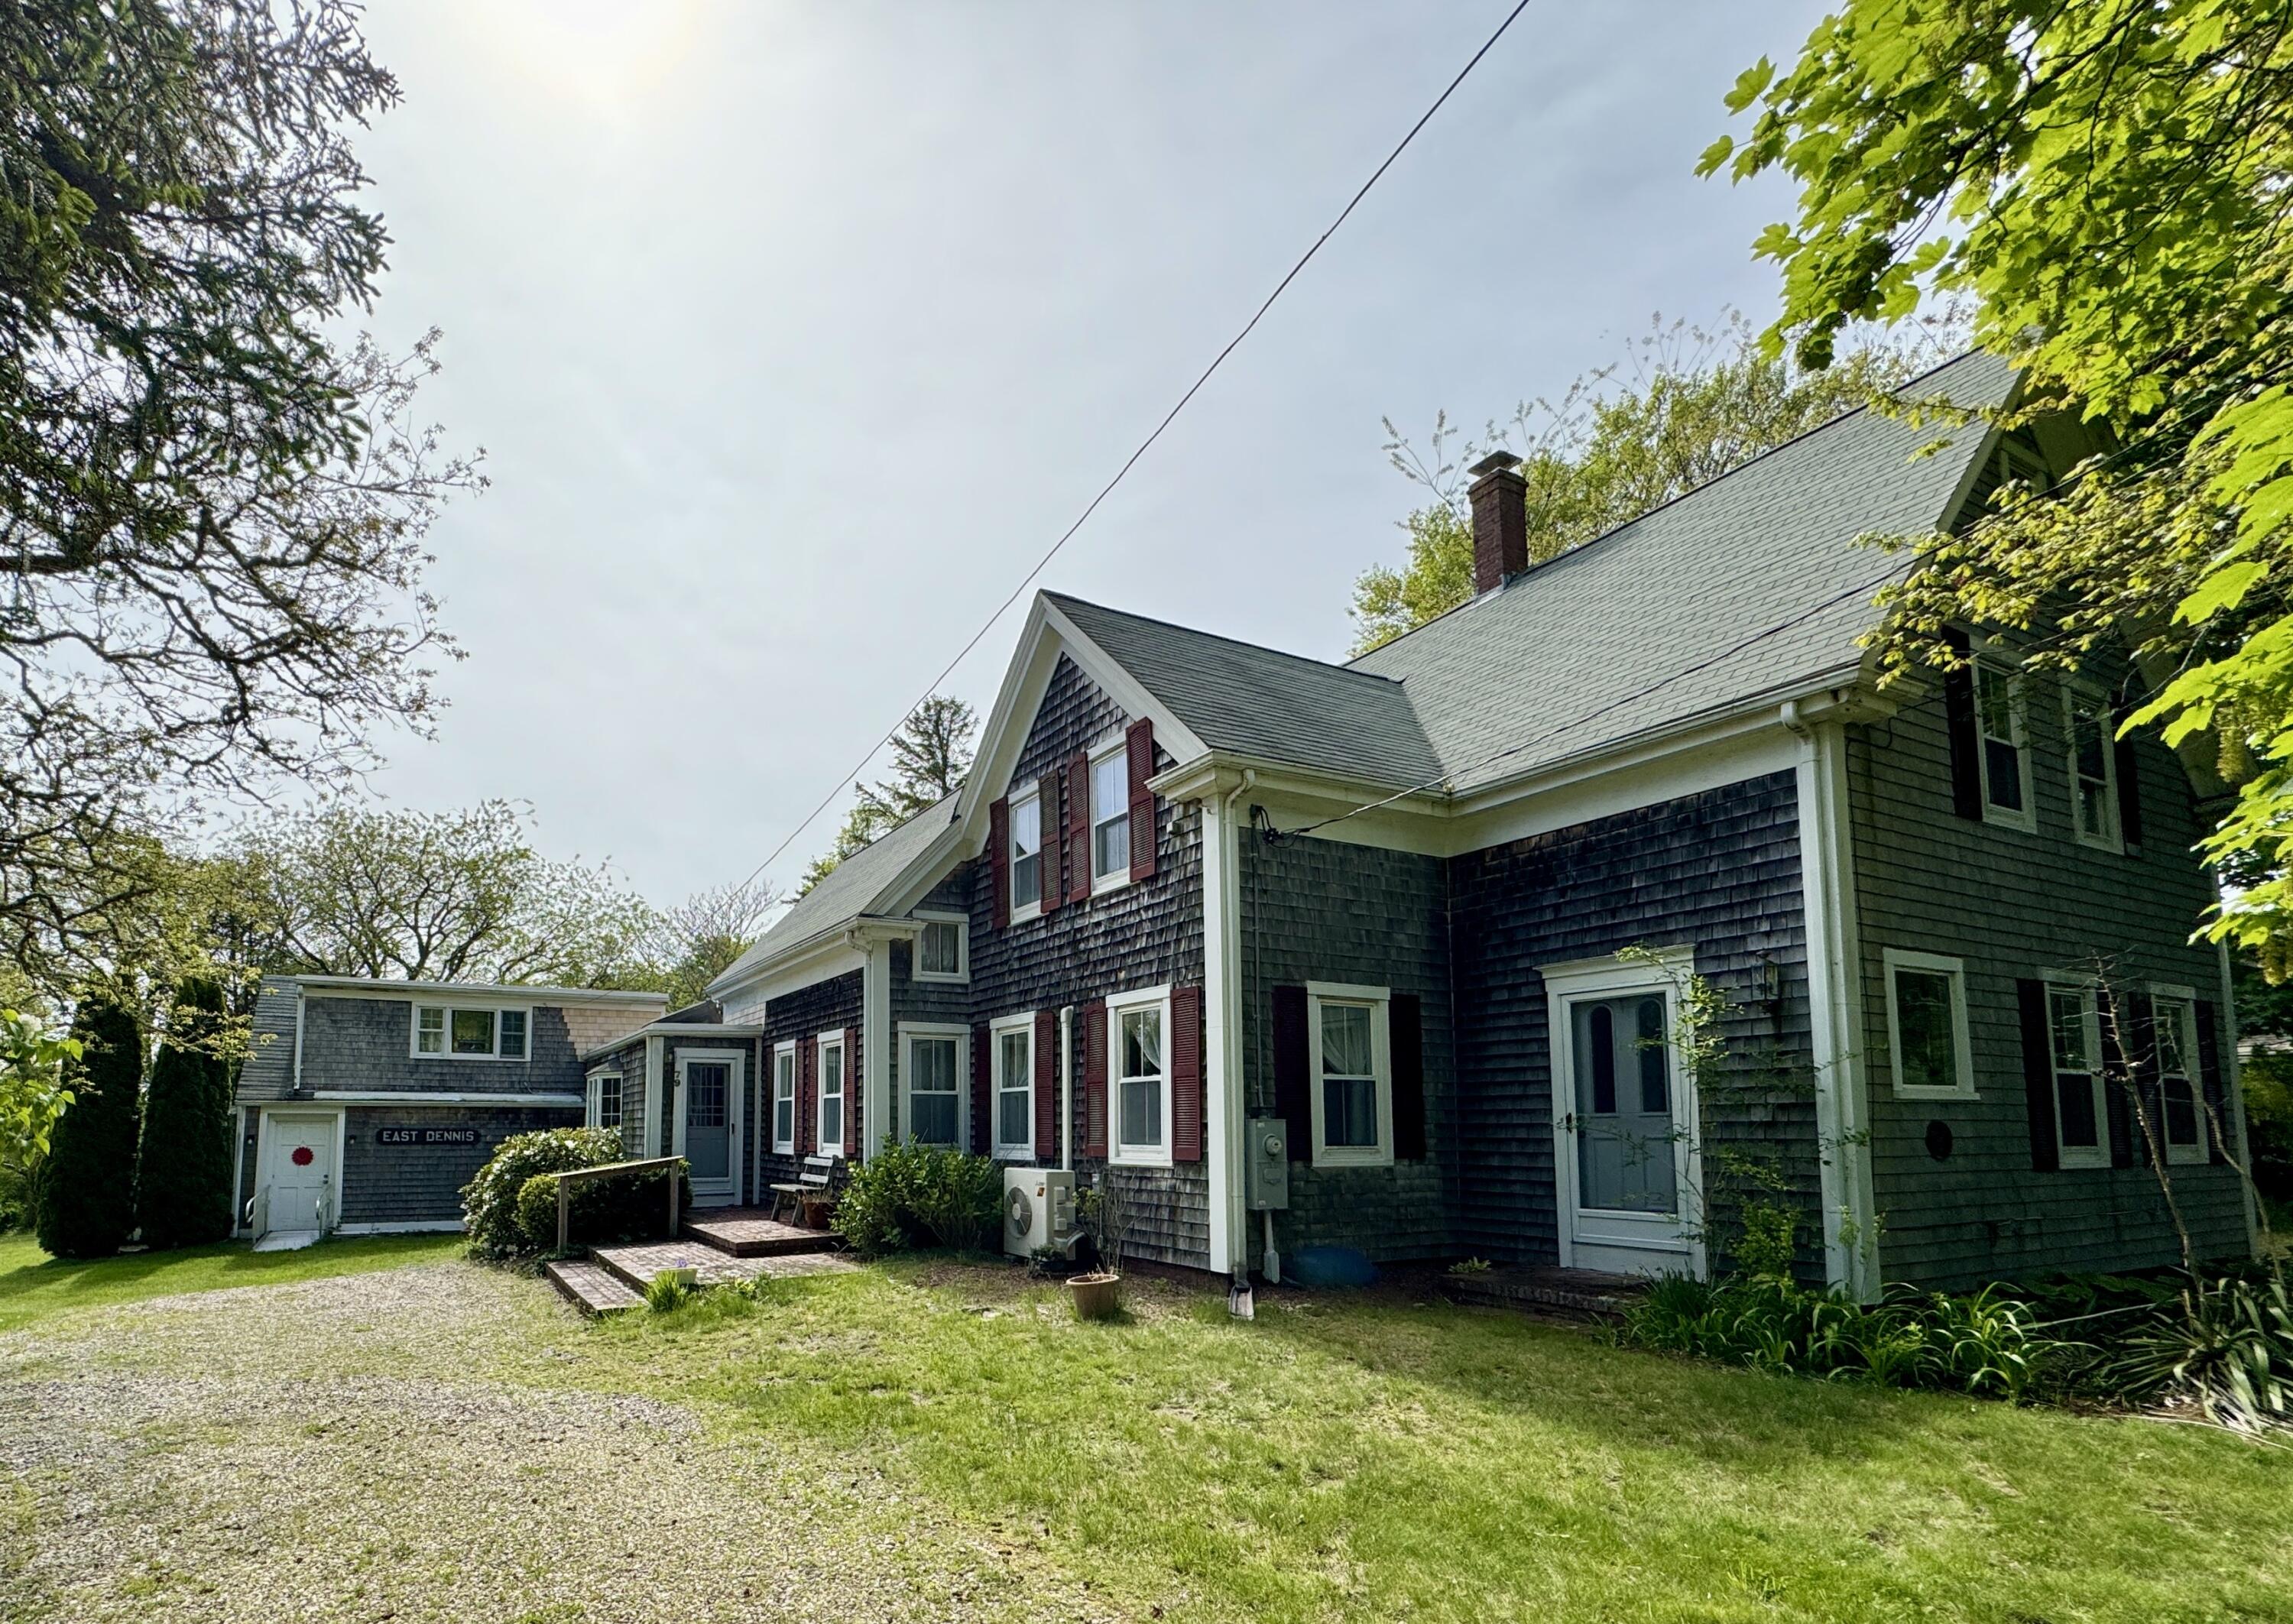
(1374, 1457)
(33, 1285)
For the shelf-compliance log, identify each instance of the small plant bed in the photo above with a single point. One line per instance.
(2212, 1346)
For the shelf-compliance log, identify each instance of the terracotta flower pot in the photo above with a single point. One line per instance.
(1097, 1296)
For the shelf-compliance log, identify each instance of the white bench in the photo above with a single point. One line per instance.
(812, 1184)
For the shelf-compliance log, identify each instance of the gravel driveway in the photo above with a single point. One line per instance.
(387, 1446)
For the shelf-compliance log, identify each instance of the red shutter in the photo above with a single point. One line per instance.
(1185, 1074)
(1051, 887)
(852, 1140)
(1079, 858)
(1140, 740)
(1046, 1087)
(1094, 1080)
(1293, 1063)
(807, 1070)
(998, 861)
(983, 1058)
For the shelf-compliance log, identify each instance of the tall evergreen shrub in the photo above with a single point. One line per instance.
(86, 1203)
(182, 1186)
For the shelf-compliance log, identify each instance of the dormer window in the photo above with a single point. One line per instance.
(1026, 862)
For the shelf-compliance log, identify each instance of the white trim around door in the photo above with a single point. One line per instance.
(1604, 1116)
(714, 1177)
(321, 1190)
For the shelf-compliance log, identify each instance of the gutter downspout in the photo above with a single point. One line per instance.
(1067, 1087)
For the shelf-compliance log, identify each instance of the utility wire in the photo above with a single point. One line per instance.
(1147, 444)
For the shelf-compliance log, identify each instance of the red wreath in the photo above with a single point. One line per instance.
(301, 1156)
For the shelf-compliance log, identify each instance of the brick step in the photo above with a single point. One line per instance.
(636, 1266)
(594, 1290)
(749, 1231)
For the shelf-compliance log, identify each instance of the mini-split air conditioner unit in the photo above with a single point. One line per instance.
(1039, 1210)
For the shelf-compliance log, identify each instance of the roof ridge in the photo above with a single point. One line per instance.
(1336, 667)
(1673, 501)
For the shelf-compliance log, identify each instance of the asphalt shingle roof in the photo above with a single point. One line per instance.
(850, 889)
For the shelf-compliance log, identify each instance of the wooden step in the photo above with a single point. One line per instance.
(751, 1232)
(636, 1266)
(593, 1289)
(1588, 1292)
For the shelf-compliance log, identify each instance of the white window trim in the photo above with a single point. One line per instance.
(962, 923)
(2111, 838)
(910, 1031)
(785, 1147)
(1962, 1049)
(2018, 708)
(824, 1042)
(1005, 1149)
(597, 1081)
(1117, 1005)
(1033, 907)
(1118, 745)
(1380, 1000)
(2079, 1157)
(414, 1050)
(2202, 1153)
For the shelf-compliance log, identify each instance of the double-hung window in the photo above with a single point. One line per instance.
(444, 1031)
(784, 1099)
(606, 1091)
(2174, 1024)
(943, 948)
(1928, 1046)
(2093, 768)
(1353, 1074)
(1027, 855)
(1110, 817)
(931, 1066)
(2000, 726)
(2074, 1043)
(1013, 1052)
(830, 1122)
(1138, 1024)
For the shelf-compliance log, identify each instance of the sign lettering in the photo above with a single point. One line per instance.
(425, 1135)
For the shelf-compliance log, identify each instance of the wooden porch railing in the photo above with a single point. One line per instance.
(566, 1181)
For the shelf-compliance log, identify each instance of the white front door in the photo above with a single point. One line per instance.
(298, 1187)
(709, 1084)
(1624, 1120)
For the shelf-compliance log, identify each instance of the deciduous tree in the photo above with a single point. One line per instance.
(212, 502)
(2111, 183)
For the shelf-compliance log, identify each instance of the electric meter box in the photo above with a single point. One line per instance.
(1266, 1165)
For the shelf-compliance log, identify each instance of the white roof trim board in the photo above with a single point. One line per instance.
(1746, 587)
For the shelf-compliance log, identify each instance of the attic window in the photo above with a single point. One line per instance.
(1027, 855)
(943, 949)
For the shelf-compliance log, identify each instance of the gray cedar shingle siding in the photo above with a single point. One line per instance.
(826, 1006)
(418, 1183)
(366, 1044)
(629, 1062)
(2012, 904)
(269, 1070)
(1720, 870)
(1319, 910)
(1145, 934)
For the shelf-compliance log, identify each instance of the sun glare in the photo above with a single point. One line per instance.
(607, 52)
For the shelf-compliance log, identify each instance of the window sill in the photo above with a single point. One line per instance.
(1353, 1158)
(2095, 842)
(2186, 1156)
(1109, 884)
(1021, 916)
(2085, 1161)
(2020, 823)
(941, 977)
(1140, 1158)
(1905, 1092)
(783, 1149)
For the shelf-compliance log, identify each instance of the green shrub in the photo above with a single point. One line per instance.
(84, 1201)
(2226, 1345)
(494, 1208)
(537, 1212)
(183, 1177)
(910, 1195)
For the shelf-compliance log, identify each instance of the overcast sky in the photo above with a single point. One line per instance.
(795, 334)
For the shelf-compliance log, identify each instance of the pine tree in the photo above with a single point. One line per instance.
(86, 1203)
(182, 1180)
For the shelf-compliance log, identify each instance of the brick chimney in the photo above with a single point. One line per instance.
(1499, 499)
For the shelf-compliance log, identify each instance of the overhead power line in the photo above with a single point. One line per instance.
(1147, 444)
